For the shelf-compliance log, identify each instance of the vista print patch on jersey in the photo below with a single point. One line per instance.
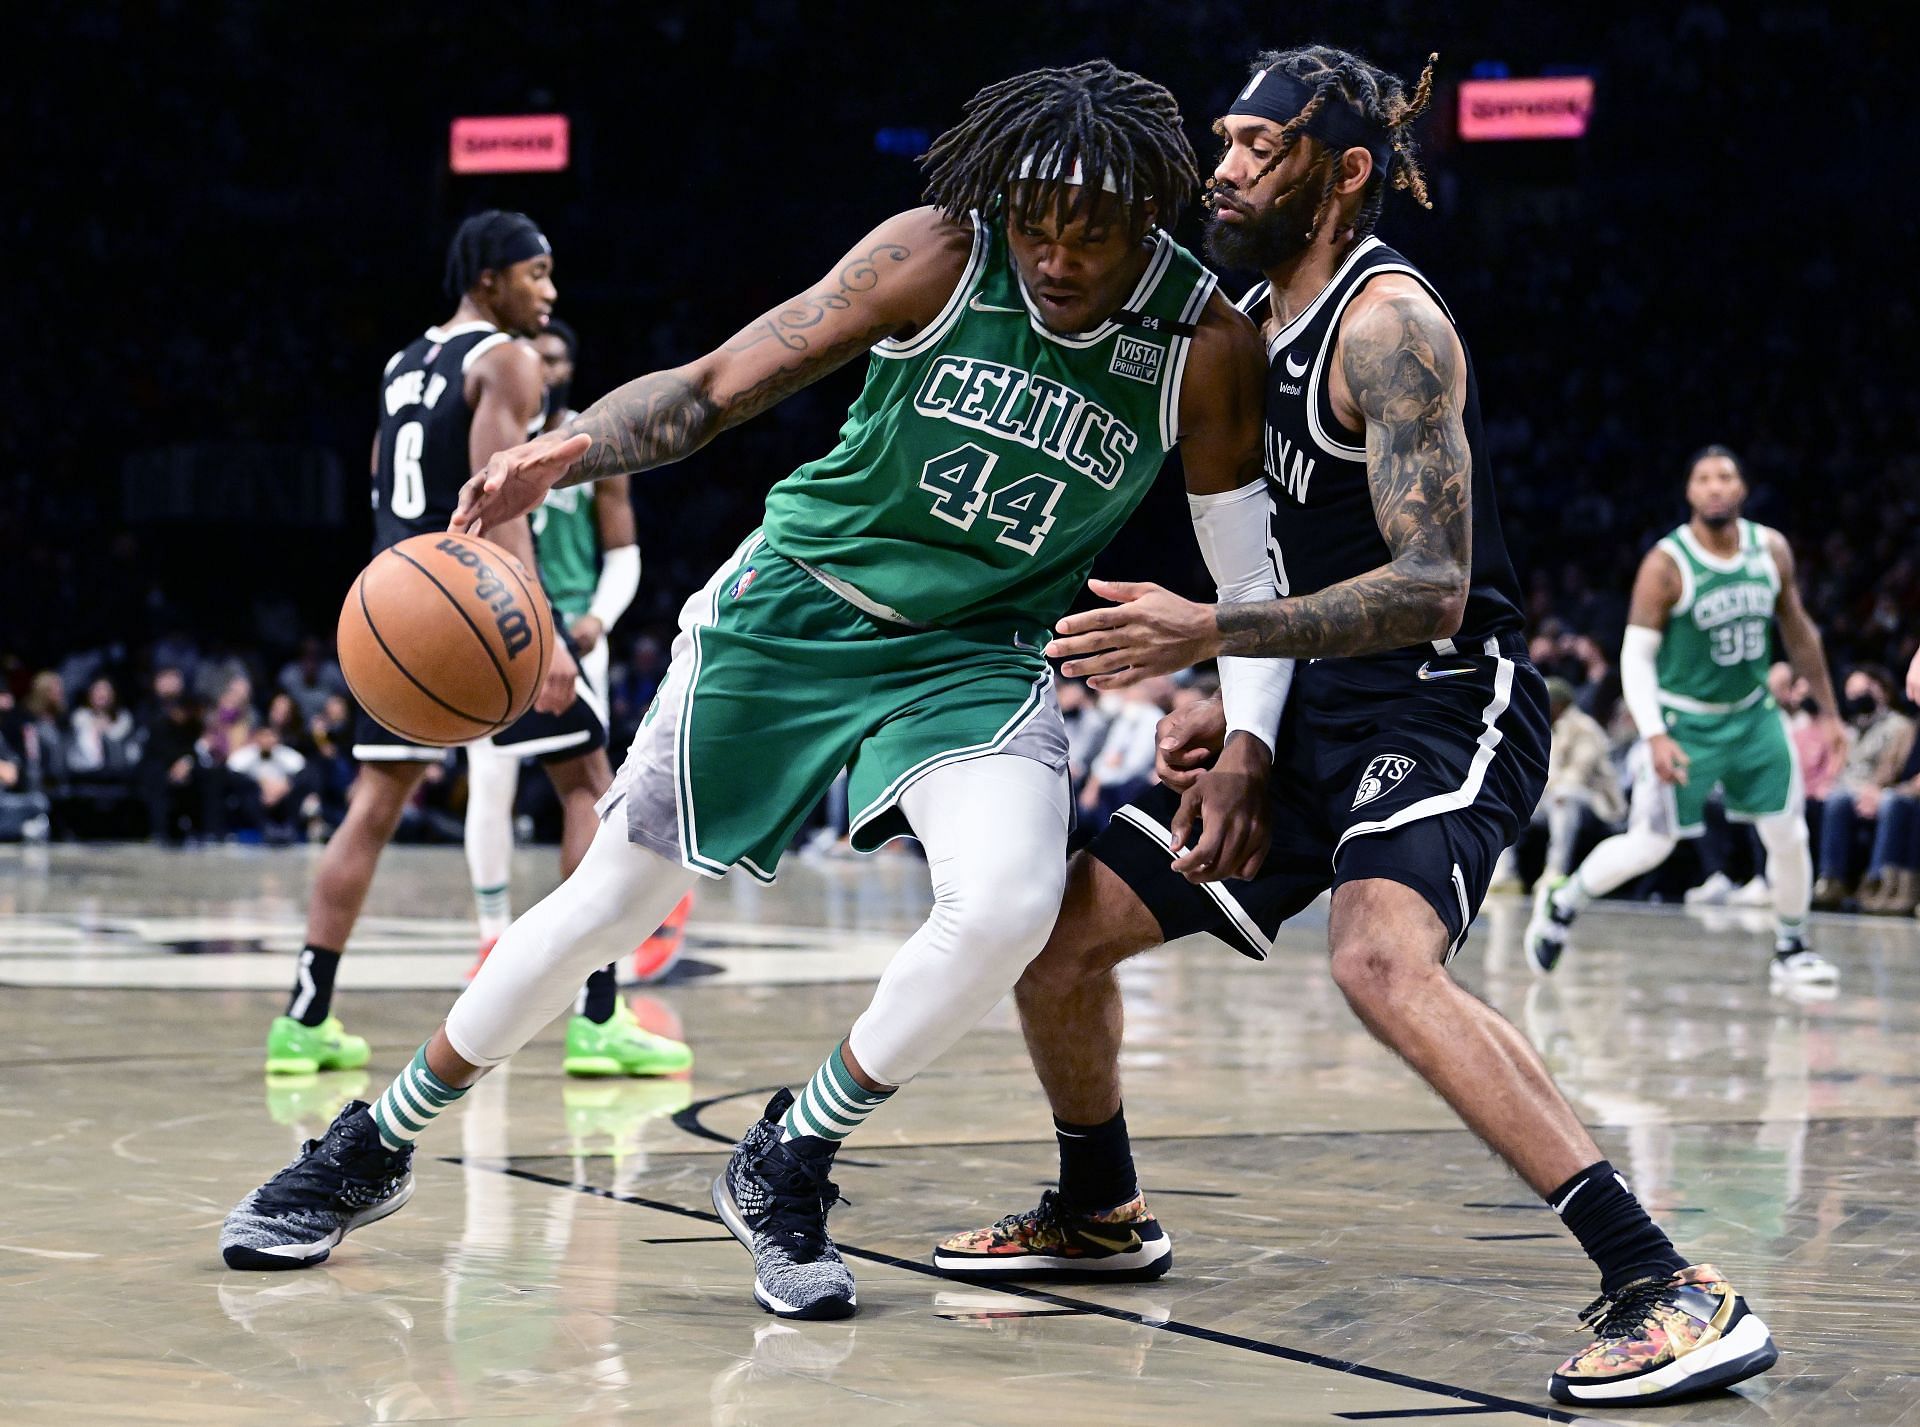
(1136, 359)
(1384, 772)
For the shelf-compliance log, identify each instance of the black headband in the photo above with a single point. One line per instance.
(495, 239)
(1275, 95)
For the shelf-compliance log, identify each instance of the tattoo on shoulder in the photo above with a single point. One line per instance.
(1400, 363)
(790, 325)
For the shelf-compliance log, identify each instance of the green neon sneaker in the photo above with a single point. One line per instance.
(621, 1047)
(294, 1049)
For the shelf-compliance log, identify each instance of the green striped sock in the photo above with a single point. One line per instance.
(833, 1105)
(411, 1103)
(493, 908)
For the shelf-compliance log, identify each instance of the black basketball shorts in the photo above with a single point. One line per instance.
(1415, 767)
(551, 738)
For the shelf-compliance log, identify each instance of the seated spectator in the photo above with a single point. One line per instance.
(170, 774)
(1582, 784)
(267, 784)
(42, 732)
(229, 722)
(1880, 747)
(101, 742)
(23, 815)
(1893, 867)
(327, 745)
(310, 680)
(1124, 768)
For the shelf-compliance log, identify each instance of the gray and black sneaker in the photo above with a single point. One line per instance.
(337, 1183)
(773, 1196)
(1546, 934)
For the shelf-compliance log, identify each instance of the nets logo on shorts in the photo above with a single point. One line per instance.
(1384, 772)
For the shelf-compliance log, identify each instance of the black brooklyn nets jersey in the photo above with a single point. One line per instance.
(1324, 527)
(422, 459)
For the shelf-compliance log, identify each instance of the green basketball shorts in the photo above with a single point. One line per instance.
(1747, 755)
(777, 683)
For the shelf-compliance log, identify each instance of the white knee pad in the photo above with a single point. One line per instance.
(618, 894)
(492, 778)
(1789, 862)
(995, 833)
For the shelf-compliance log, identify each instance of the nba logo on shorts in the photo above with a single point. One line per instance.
(1382, 773)
(741, 585)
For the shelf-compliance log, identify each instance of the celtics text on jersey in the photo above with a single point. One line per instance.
(1718, 643)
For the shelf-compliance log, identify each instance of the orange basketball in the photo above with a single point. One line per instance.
(444, 639)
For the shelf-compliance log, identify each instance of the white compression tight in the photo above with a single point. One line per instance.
(1616, 862)
(995, 832)
(492, 778)
(1789, 864)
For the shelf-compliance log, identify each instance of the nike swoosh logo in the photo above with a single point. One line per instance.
(1112, 1243)
(978, 306)
(1429, 673)
(1296, 372)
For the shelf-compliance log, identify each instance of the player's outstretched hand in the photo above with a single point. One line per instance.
(1150, 631)
(561, 686)
(1669, 759)
(1187, 740)
(515, 481)
(1221, 829)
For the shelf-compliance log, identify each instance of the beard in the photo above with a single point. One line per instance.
(1719, 520)
(1269, 237)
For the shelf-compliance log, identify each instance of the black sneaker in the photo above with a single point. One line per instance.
(337, 1183)
(773, 1196)
(1546, 934)
(1056, 1240)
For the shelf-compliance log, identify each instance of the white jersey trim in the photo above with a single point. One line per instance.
(1177, 360)
(1225, 900)
(447, 334)
(956, 303)
(1734, 564)
(1673, 550)
(1329, 444)
(1469, 791)
(1300, 319)
(1142, 293)
(484, 345)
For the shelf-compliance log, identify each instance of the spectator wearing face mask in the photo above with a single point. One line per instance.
(1883, 738)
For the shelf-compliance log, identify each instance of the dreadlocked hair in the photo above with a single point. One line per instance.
(1340, 77)
(1117, 127)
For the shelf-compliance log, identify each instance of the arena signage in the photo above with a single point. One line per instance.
(1555, 107)
(509, 143)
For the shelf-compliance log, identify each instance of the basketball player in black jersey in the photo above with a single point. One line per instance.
(448, 400)
(1412, 748)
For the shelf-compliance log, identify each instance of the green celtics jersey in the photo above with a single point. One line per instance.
(1718, 642)
(988, 460)
(568, 545)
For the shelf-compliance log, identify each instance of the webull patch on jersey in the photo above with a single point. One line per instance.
(1386, 771)
(516, 630)
(1136, 359)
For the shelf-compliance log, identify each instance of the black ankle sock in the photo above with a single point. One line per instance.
(1096, 1163)
(312, 998)
(600, 996)
(1602, 1213)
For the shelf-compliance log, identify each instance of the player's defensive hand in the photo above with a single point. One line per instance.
(515, 481)
(1187, 740)
(557, 693)
(1220, 829)
(1669, 759)
(1150, 631)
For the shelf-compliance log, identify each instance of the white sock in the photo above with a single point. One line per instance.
(492, 779)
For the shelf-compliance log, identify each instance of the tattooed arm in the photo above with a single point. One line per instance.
(1400, 373)
(1405, 375)
(891, 284)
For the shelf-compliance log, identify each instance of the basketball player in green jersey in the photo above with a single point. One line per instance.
(1036, 345)
(589, 559)
(1693, 671)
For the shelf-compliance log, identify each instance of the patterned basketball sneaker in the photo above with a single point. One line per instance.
(1666, 1338)
(1055, 1240)
(343, 1180)
(294, 1049)
(621, 1046)
(773, 1197)
(1797, 964)
(1546, 935)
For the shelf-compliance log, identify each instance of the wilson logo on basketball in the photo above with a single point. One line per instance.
(516, 633)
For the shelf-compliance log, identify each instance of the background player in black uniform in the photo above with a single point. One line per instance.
(1412, 750)
(448, 400)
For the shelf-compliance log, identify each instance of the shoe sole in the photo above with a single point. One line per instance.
(1142, 1265)
(825, 1309)
(1746, 1351)
(597, 1067)
(291, 1256)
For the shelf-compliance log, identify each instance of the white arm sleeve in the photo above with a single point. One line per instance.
(619, 582)
(1232, 530)
(1639, 684)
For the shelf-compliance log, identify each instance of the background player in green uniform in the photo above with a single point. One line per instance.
(1037, 345)
(589, 559)
(1693, 670)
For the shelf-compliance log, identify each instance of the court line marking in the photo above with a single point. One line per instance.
(1483, 1401)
